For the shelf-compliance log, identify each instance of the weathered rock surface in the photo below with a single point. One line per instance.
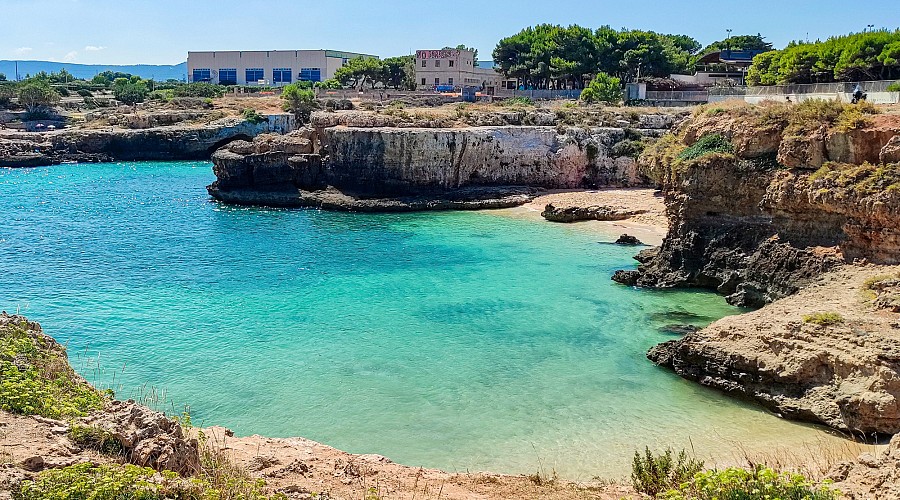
(417, 169)
(149, 438)
(627, 239)
(873, 476)
(574, 214)
(845, 375)
(20, 149)
(755, 231)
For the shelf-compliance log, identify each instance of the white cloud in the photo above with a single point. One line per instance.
(94, 48)
(23, 50)
(70, 56)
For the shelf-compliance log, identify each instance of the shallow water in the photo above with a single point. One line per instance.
(458, 340)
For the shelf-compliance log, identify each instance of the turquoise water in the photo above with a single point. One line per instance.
(459, 340)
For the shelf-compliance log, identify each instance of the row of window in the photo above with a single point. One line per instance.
(437, 63)
(437, 81)
(228, 76)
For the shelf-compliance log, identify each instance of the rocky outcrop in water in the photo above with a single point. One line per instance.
(421, 168)
(183, 142)
(574, 214)
(754, 229)
(823, 355)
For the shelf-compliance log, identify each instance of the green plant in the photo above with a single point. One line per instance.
(761, 483)
(629, 148)
(199, 89)
(36, 379)
(823, 318)
(518, 101)
(603, 88)
(712, 143)
(95, 438)
(653, 474)
(894, 87)
(299, 101)
(253, 117)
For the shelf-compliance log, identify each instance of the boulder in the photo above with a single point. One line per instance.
(627, 239)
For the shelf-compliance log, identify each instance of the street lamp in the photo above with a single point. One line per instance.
(870, 27)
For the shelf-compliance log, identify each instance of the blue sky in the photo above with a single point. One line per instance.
(162, 31)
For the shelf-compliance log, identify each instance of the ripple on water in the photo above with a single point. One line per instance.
(457, 340)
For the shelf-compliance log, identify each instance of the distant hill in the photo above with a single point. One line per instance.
(88, 71)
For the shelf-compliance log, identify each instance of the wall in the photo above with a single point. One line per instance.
(326, 60)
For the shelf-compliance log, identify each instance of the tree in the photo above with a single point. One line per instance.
(359, 71)
(299, 101)
(755, 42)
(858, 56)
(398, 72)
(2, 77)
(329, 84)
(463, 47)
(603, 88)
(36, 95)
(130, 91)
(199, 89)
(7, 92)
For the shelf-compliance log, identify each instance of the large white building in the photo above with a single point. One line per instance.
(266, 67)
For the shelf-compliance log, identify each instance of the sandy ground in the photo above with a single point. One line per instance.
(650, 227)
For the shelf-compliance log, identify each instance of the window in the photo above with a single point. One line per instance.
(450, 63)
(437, 63)
(281, 75)
(201, 75)
(227, 76)
(254, 75)
(437, 81)
(449, 81)
(310, 75)
(423, 81)
(424, 63)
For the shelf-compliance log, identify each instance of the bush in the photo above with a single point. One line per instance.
(761, 483)
(330, 84)
(630, 148)
(894, 87)
(517, 102)
(712, 143)
(84, 93)
(653, 474)
(823, 318)
(253, 117)
(299, 101)
(161, 95)
(603, 88)
(199, 89)
(36, 379)
(95, 438)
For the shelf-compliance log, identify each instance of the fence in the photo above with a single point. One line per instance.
(805, 88)
(676, 95)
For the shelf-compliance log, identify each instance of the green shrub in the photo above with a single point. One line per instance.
(161, 95)
(517, 101)
(36, 379)
(603, 88)
(95, 438)
(894, 87)
(762, 483)
(253, 117)
(199, 89)
(823, 318)
(84, 93)
(298, 100)
(129, 482)
(653, 474)
(629, 148)
(712, 143)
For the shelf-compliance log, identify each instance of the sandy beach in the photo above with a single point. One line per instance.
(649, 227)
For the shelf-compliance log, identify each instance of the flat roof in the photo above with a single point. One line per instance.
(328, 52)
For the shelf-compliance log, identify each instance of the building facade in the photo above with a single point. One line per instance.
(266, 67)
(453, 68)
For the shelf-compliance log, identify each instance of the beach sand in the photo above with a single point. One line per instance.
(650, 227)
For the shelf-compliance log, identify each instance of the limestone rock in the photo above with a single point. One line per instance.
(891, 151)
(627, 239)
(149, 438)
(574, 214)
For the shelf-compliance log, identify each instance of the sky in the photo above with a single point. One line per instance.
(163, 31)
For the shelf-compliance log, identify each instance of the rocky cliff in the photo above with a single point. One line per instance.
(183, 142)
(829, 354)
(425, 167)
(763, 199)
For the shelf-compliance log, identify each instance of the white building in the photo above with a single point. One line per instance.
(266, 67)
(453, 68)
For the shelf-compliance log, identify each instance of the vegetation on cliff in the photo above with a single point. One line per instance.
(36, 376)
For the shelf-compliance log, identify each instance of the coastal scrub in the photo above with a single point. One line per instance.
(37, 379)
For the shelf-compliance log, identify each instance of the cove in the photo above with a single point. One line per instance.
(456, 340)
